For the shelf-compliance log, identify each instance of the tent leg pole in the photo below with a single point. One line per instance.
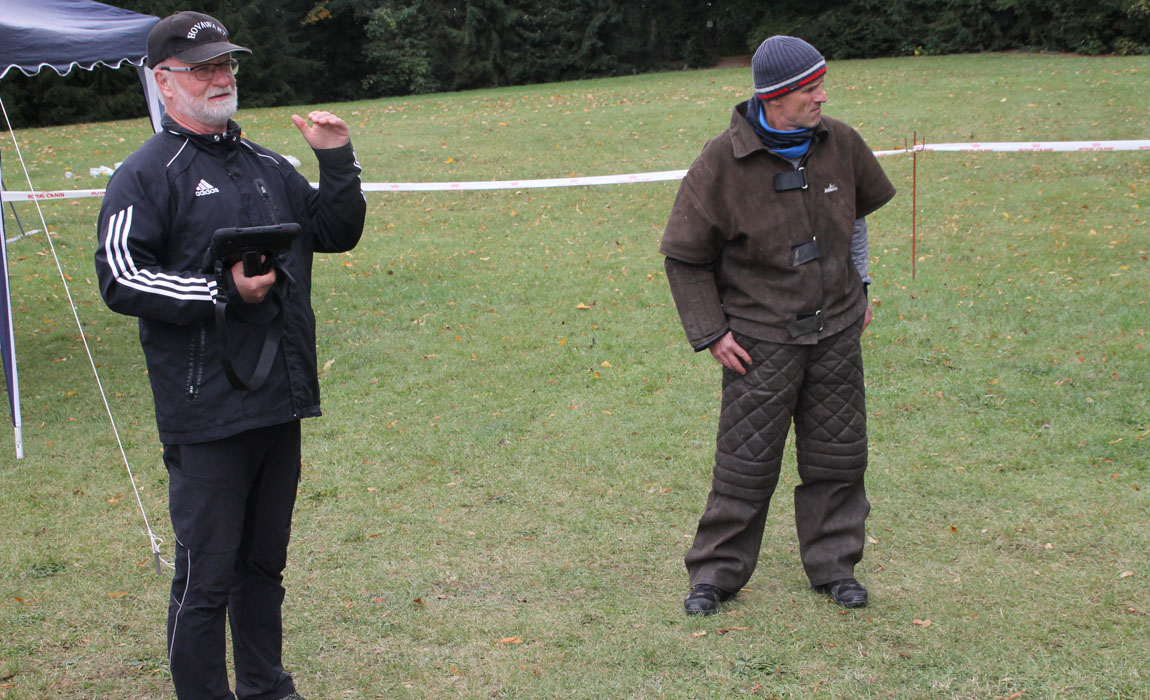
(12, 206)
(8, 341)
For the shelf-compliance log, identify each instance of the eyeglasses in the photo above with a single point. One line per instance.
(206, 71)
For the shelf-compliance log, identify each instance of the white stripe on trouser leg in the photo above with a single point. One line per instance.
(180, 602)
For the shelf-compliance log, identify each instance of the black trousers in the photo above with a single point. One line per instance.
(821, 388)
(231, 503)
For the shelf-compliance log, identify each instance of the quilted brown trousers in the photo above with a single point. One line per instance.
(821, 387)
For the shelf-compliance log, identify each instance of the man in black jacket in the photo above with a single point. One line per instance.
(230, 353)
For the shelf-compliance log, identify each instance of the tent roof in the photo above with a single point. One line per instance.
(65, 34)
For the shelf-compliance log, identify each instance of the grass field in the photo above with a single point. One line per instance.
(517, 439)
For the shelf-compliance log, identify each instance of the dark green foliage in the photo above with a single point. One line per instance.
(870, 28)
(399, 50)
(48, 98)
(313, 51)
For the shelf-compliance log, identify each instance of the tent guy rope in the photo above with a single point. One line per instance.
(154, 540)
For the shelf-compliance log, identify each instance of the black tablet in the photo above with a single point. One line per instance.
(228, 243)
(249, 243)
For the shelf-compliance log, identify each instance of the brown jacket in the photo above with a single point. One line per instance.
(740, 238)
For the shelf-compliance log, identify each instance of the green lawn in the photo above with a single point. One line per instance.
(518, 440)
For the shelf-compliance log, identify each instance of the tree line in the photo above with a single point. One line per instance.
(322, 51)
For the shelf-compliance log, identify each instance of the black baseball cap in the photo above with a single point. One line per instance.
(191, 37)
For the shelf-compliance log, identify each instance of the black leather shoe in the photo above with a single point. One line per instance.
(846, 592)
(705, 599)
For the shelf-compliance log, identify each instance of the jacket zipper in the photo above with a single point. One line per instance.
(269, 202)
(196, 362)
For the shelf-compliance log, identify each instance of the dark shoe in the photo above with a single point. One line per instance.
(705, 599)
(292, 696)
(846, 592)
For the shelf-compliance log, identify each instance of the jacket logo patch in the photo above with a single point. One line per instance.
(205, 188)
(831, 188)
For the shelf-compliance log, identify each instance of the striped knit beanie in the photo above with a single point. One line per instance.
(783, 64)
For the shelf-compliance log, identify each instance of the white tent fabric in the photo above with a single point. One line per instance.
(63, 35)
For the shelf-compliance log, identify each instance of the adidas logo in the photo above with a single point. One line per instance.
(205, 188)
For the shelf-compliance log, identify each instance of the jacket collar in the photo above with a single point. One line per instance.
(744, 140)
(229, 139)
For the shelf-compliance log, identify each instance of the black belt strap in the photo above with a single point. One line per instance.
(806, 323)
(805, 252)
(791, 180)
(267, 353)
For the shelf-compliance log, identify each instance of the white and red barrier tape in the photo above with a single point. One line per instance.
(999, 147)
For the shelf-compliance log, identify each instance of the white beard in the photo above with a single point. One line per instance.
(213, 114)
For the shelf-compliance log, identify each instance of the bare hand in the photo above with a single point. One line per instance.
(730, 354)
(252, 289)
(867, 317)
(326, 130)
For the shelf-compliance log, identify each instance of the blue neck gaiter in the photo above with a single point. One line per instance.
(788, 144)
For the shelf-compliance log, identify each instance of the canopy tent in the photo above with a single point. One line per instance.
(63, 35)
(67, 34)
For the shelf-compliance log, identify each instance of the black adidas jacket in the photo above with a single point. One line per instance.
(159, 212)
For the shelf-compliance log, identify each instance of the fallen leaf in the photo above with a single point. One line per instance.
(922, 623)
(118, 594)
(581, 306)
(511, 640)
(1126, 574)
(605, 364)
(731, 629)
(698, 634)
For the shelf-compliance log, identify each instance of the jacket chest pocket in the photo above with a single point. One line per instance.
(831, 203)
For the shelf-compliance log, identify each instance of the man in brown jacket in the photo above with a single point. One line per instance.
(766, 255)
